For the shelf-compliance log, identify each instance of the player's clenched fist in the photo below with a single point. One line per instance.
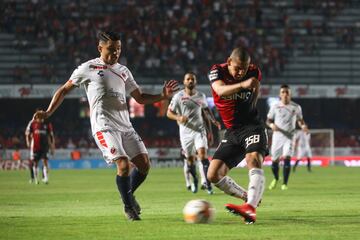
(40, 115)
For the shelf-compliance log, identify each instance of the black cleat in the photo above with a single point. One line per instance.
(131, 214)
(204, 186)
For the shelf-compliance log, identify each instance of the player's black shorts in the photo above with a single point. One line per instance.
(238, 142)
(37, 155)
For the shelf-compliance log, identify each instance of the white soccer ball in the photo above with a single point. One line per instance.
(198, 211)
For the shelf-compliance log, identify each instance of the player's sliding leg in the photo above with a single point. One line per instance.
(295, 165)
(138, 176)
(309, 164)
(275, 171)
(187, 175)
(217, 175)
(124, 187)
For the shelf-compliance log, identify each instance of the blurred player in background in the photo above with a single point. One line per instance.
(107, 83)
(40, 138)
(235, 87)
(190, 109)
(282, 119)
(302, 148)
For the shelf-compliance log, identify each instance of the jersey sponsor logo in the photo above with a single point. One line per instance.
(237, 96)
(252, 139)
(97, 67)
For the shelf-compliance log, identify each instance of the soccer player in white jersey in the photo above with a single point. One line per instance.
(282, 119)
(302, 148)
(190, 109)
(106, 83)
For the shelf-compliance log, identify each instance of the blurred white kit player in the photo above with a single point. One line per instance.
(282, 119)
(302, 148)
(285, 117)
(189, 108)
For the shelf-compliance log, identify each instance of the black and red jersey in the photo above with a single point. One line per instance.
(40, 132)
(237, 109)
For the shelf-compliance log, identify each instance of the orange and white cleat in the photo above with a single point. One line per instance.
(245, 210)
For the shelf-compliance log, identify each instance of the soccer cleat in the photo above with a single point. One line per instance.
(245, 210)
(204, 186)
(273, 184)
(284, 187)
(36, 181)
(136, 205)
(45, 181)
(131, 214)
(188, 188)
(31, 181)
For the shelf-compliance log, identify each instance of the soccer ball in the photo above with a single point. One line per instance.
(198, 211)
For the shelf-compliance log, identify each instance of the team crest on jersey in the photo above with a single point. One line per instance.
(97, 67)
(113, 150)
(101, 73)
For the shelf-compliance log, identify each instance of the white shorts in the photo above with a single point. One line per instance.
(192, 142)
(116, 144)
(281, 146)
(303, 152)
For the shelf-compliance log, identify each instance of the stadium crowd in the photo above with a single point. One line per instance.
(167, 37)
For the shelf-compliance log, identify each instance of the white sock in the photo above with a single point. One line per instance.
(45, 171)
(256, 186)
(229, 186)
(202, 173)
(186, 174)
(36, 170)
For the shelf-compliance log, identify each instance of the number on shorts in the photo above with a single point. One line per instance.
(252, 139)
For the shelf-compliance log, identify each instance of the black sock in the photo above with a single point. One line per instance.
(31, 170)
(192, 171)
(275, 170)
(136, 178)
(123, 184)
(206, 163)
(286, 170)
(296, 163)
(309, 164)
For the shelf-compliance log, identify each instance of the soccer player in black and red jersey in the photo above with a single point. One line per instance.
(235, 87)
(39, 138)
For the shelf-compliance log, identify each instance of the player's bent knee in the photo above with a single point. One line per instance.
(254, 160)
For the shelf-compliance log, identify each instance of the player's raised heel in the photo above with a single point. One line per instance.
(245, 210)
(131, 214)
(273, 184)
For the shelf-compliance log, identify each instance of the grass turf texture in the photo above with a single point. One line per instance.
(84, 204)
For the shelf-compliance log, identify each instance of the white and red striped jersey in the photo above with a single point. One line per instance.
(106, 88)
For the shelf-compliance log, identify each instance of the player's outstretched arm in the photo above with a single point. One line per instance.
(56, 100)
(170, 87)
(222, 89)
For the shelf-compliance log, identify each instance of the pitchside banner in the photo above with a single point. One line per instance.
(303, 91)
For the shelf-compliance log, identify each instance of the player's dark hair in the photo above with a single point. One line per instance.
(241, 54)
(108, 36)
(285, 86)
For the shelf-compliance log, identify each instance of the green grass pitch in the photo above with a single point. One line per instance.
(84, 204)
